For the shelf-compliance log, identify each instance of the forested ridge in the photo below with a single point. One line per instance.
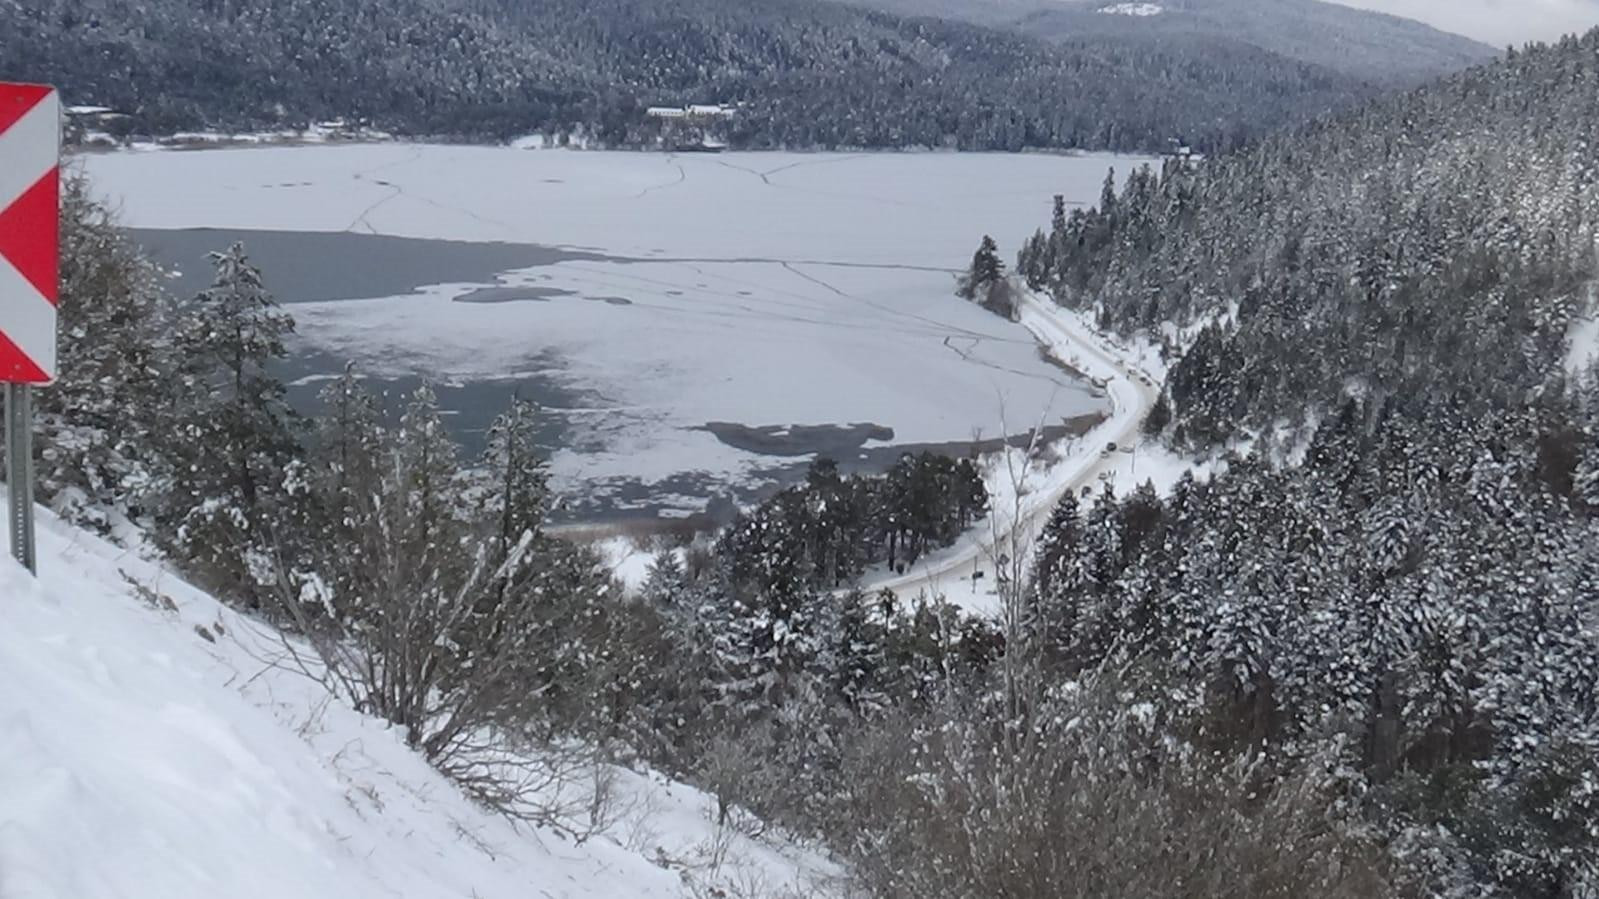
(1399, 564)
(810, 74)
(1368, 45)
(1432, 244)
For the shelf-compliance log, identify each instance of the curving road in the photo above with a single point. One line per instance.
(1132, 393)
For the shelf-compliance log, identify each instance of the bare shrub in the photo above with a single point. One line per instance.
(430, 597)
(1104, 803)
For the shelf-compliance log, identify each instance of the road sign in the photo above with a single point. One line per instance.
(30, 200)
(30, 238)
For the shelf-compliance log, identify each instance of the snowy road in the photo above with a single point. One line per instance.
(1019, 516)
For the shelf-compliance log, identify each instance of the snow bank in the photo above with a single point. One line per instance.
(151, 749)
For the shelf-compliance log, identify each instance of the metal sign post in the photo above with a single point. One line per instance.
(30, 213)
(19, 473)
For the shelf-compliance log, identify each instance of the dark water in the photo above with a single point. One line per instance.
(310, 267)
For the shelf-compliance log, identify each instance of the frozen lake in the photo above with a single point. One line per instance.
(692, 324)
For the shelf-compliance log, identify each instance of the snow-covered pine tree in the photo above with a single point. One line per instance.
(429, 489)
(234, 445)
(348, 475)
(1159, 416)
(1056, 579)
(1033, 261)
(519, 489)
(100, 424)
(347, 447)
(666, 587)
(985, 271)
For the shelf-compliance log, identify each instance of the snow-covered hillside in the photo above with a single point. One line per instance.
(151, 749)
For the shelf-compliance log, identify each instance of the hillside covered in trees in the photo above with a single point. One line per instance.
(808, 73)
(1367, 45)
(1384, 314)
(1435, 246)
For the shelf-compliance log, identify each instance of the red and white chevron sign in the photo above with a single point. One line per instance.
(30, 201)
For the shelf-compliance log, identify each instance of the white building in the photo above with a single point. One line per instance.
(695, 111)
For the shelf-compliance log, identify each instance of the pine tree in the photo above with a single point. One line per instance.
(427, 467)
(101, 424)
(348, 473)
(1159, 416)
(234, 443)
(519, 490)
(1034, 259)
(348, 443)
(1057, 581)
(665, 586)
(985, 271)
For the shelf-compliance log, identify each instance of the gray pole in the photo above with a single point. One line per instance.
(19, 476)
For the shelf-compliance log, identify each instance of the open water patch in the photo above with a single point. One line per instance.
(314, 267)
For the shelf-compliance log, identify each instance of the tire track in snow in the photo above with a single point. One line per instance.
(739, 308)
(968, 356)
(943, 328)
(766, 178)
(394, 189)
(682, 176)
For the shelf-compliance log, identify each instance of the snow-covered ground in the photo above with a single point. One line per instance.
(1582, 341)
(765, 289)
(150, 751)
(627, 561)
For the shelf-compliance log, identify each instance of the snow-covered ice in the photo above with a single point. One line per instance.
(155, 753)
(759, 289)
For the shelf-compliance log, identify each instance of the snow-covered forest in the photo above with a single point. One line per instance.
(1358, 657)
(1377, 48)
(808, 74)
(1385, 317)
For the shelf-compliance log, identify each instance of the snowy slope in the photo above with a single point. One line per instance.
(144, 758)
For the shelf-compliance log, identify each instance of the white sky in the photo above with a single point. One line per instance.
(1495, 22)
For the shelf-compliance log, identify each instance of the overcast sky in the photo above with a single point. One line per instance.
(1496, 22)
